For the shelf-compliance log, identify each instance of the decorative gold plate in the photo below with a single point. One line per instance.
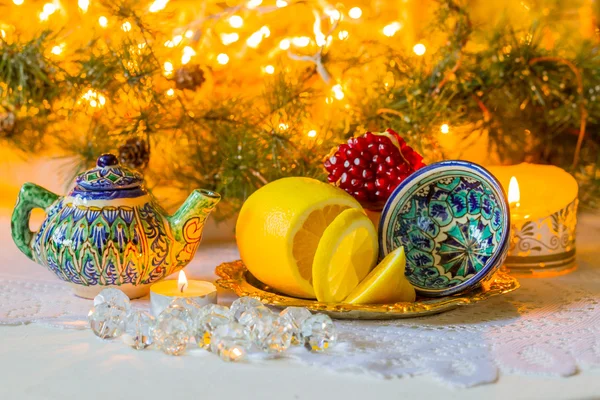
(236, 277)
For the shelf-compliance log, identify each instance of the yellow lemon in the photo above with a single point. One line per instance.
(345, 255)
(386, 283)
(280, 226)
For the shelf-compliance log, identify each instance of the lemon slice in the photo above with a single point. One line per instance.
(385, 284)
(346, 253)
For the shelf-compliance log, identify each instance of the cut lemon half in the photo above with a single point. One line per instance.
(309, 235)
(386, 283)
(346, 253)
(280, 226)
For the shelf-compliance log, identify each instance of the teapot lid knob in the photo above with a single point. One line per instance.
(107, 160)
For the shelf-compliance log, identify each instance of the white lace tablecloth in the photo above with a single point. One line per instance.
(549, 326)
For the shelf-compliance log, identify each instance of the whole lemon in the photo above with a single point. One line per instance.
(279, 228)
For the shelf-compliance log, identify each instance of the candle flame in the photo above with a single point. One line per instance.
(182, 282)
(514, 194)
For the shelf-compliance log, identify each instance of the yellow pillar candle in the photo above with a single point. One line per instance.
(164, 292)
(543, 200)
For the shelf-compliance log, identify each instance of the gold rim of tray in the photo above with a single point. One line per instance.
(236, 277)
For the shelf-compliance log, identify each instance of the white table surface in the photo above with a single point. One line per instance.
(39, 362)
(44, 363)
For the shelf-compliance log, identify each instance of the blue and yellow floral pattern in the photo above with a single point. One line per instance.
(108, 231)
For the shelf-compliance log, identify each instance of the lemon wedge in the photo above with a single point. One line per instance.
(345, 254)
(385, 284)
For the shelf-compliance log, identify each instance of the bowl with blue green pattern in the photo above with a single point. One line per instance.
(453, 219)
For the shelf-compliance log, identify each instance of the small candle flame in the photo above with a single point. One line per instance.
(182, 282)
(514, 194)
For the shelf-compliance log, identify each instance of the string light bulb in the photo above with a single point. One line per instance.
(301, 41)
(320, 39)
(343, 35)
(103, 21)
(254, 39)
(445, 128)
(283, 127)
(229, 38)
(188, 53)
(338, 93)
(222, 58)
(391, 29)
(189, 33)
(57, 49)
(281, 3)
(312, 133)
(83, 5)
(126, 26)
(269, 69)
(174, 42)
(419, 49)
(94, 98)
(168, 67)
(334, 14)
(158, 5)
(170, 92)
(49, 9)
(355, 13)
(257, 37)
(236, 21)
(285, 44)
(18, 2)
(253, 3)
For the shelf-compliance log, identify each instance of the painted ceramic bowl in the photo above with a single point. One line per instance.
(453, 220)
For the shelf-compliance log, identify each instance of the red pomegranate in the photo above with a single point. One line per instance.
(371, 166)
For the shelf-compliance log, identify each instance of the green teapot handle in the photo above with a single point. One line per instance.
(31, 196)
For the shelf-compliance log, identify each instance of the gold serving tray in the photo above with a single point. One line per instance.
(235, 276)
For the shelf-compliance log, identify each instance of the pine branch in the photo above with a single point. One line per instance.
(534, 102)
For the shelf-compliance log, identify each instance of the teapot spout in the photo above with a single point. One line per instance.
(188, 221)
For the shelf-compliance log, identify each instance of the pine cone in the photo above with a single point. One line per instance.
(189, 77)
(135, 153)
(7, 123)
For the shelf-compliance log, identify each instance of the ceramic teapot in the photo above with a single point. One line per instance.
(109, 231)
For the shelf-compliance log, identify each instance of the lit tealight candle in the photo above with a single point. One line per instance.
(164, 292)
(543, 203)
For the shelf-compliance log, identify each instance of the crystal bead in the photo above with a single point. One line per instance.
(138, 325)
(230, 342)
(177, 310)
(114, 297)
(204, 327)
(192, 307)
(172, 330)
(258, 322)
(107, 320)
(214, 309)
(241, 305)
(318, 332)
(279, 338)
(293, 317)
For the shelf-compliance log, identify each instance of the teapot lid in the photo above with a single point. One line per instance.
(108, 175)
